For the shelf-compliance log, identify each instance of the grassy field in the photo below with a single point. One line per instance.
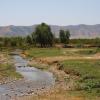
(44, 52)
(87, 71)
(52, 52)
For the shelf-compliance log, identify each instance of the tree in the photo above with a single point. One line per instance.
(43, 35)
(13, 41)
(64, 36)
(6, 41)
(20, 41)
(67, 35)
(28, 39)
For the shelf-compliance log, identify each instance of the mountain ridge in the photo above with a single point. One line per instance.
(77, 31)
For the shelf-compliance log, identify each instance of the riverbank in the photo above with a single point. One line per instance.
(34, 81)
(62, 89)
(7, 70)
(67, 72)
(67, 79)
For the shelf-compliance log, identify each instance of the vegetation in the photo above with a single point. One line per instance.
(43, 52)
(88, 73)
(12, 41)
(29, 41)
(43, 35)
(8, 71)
(81, 61)
(55, 52)
(83, 70)
(64, 36)
(85, 42)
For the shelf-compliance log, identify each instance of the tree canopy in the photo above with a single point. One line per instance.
(43, 35)
(64, 36)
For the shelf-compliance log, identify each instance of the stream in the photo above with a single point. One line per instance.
(34, 80)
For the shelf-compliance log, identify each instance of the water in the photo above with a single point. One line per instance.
(34, 80)
(31, 73)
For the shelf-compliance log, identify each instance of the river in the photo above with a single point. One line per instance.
(34, 80)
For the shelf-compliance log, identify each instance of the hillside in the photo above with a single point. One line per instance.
(77, 31)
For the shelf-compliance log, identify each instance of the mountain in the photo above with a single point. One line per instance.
(77, 31)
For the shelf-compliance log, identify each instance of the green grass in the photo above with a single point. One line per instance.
(7, 70)
(51, 52)
(44, 52)
(88, 73)
(88, 51)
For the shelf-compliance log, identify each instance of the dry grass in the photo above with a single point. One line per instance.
(57, 94)
(48, 57)
(7, 70)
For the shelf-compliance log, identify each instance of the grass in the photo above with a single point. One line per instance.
(49, 52)
(43, 52)
(87, 83)
(7, 70)
(88, 51)
(88, 72)
(52, 52)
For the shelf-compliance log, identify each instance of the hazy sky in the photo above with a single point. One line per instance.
(59, 12)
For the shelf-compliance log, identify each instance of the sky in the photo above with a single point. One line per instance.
(55, 12)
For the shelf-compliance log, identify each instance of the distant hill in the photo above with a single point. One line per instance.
(77, 31)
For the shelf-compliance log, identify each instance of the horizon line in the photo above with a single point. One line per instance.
(50, 25)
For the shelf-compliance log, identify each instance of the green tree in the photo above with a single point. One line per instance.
(67, 35)
(28, 39)
(13, 41)
(64, 36)
(43, 35)
(6, 41)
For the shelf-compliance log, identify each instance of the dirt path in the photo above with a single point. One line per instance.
(62, 58)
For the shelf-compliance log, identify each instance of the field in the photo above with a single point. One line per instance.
(52, 52)
(88, 73)
(82, 65)
(76, 70)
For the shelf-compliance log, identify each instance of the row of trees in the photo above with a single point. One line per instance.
(12, 41)
(83, 42)
(42, 36)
